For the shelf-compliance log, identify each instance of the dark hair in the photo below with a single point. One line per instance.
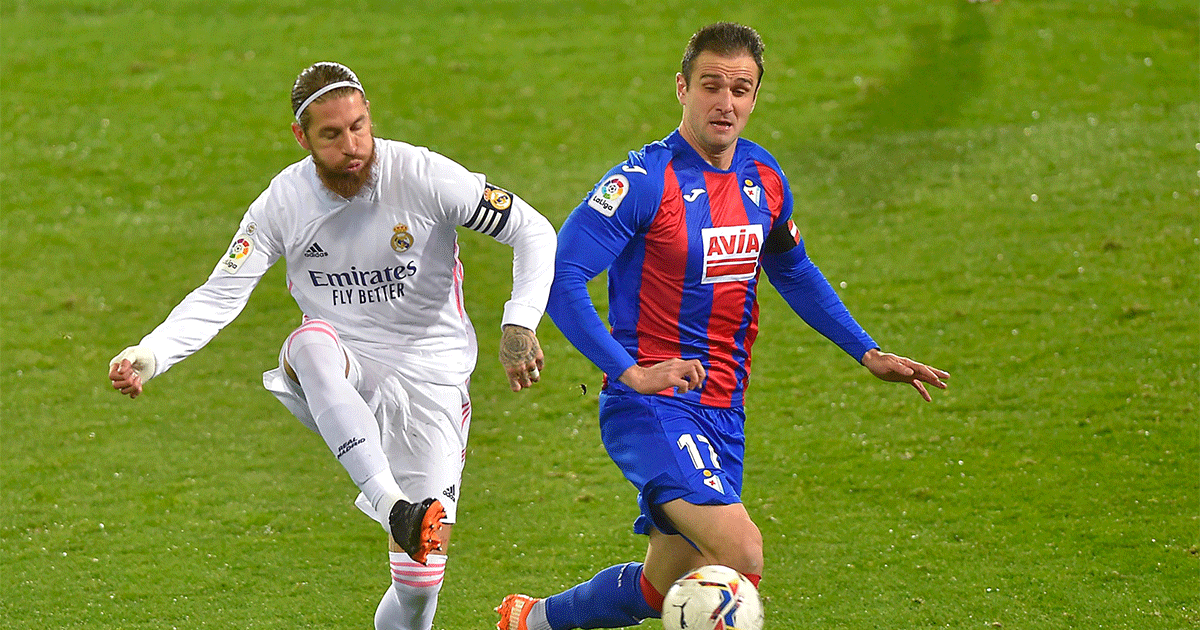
(317, 76)
(725, 39)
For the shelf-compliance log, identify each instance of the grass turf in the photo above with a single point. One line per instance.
(1005, 190)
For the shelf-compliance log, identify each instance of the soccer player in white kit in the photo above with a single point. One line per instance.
(380, 366)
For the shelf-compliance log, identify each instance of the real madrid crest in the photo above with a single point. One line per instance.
(498, 197)
(401, 240)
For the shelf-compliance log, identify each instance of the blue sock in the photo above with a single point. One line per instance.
(611, 599)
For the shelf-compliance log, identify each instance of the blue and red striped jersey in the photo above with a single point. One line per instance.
(683, 243)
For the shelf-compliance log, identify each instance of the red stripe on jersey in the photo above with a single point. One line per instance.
(773, 188)
(663, 271)
(729, 298)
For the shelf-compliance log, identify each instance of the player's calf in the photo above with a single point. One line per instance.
(411, 601)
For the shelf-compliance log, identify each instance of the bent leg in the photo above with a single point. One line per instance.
(667, 558)
(722, 534)
(314, 356)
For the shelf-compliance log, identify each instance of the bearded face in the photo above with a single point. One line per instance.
(348, 176)
(339, 137)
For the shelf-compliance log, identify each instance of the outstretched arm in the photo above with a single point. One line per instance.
(198, 318)
(809, 294)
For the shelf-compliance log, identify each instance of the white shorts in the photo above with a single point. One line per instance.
(423, 427)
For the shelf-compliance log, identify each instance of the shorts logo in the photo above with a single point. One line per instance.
(753, 192)
(608, 195)
(731, 253)
(450, 493)
(401, 240)
(713, 482)
(238, 252)
(349, 444)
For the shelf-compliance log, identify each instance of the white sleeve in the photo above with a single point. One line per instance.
(475, 204)
(533, 241)
(214, 304)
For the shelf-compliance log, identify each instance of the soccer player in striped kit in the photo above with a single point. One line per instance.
(379, 367)
(683, 227)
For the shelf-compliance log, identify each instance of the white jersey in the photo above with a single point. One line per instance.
(382, 267)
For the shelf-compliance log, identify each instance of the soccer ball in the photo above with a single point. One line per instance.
(712, 598)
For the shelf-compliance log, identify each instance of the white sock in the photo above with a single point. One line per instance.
(343, 418)
(537, 617)
(412, 599)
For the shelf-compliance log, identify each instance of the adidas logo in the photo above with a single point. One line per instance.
(449, 492)
(315, 251)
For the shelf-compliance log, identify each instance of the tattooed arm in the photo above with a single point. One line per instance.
(521, 356)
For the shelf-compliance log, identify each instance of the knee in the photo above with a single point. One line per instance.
(318, 327)
(742, 551)
(312, 347)
(312, 333)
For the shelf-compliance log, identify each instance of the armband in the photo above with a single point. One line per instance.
(492, 213)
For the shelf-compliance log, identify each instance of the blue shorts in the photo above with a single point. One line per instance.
(670, 449)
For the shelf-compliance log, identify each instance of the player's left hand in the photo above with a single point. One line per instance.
(521, 355)
(897, 369)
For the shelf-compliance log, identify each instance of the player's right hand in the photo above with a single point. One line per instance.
(522, 357)
(678, 374)
(130, 370)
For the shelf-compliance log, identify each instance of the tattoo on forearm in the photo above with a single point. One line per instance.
(518, 346)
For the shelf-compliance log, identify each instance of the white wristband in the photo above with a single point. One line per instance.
(141, 358)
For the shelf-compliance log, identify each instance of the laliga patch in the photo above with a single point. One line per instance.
(238, 252)
(608, 195)
(731, 253)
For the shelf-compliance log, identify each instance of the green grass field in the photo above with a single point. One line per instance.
(1005, 190)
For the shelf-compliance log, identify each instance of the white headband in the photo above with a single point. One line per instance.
(322, 91)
